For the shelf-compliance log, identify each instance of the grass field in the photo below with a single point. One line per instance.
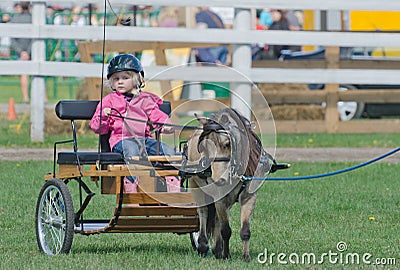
(360, 208)
(56, 87)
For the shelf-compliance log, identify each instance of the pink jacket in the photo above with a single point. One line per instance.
(144, 107)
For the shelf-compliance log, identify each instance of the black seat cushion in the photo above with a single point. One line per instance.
(76, 109)
(90, 158)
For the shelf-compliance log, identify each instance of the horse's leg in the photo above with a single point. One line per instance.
(222, 208)
(203, 211)
(217, 245)
(202, 248)
(247, 203)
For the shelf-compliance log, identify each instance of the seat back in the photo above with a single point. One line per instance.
(76, 109)
(166, 107)
(84, 109)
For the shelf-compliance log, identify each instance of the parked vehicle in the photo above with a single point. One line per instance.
(351, 110)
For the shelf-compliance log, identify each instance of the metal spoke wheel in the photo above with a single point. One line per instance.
(194, 239)
(54, 218)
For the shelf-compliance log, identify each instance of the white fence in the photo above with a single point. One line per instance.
(241, 36)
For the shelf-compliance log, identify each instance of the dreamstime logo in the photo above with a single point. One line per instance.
(337, 257)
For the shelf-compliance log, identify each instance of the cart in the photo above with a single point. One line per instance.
(153, 209)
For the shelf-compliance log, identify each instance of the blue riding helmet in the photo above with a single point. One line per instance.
(124, 62)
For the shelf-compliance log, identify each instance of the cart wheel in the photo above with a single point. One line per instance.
(194, 239)
(54, 218)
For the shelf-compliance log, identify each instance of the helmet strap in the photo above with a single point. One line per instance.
(141, 82)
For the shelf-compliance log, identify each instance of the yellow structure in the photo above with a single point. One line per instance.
(377, 21)
(364, 21)
(374, 20)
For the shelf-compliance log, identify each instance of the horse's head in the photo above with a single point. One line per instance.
(224, 146)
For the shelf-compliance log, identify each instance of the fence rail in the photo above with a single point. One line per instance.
(287, 4)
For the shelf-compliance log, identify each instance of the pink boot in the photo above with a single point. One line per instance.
(173, 184)
(129, 186)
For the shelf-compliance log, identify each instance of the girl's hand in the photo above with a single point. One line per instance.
(167, 129)
(107, 111)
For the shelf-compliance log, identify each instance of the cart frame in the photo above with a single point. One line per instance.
(151, 210)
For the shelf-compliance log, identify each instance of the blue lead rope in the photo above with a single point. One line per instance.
(307, 177)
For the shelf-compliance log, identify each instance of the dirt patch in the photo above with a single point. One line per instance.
(337, 154)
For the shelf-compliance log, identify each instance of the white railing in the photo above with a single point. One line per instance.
(240, 35)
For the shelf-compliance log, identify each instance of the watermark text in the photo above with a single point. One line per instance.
(336, 257)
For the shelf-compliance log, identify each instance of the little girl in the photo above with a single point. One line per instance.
(125, 75)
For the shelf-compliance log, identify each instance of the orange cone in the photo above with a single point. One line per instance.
(11, 110)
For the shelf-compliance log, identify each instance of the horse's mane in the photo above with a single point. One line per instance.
(254, 141)
(255, 145)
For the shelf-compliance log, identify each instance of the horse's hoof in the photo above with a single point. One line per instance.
(217, 254)
(204, 253)
(226, 257)
(246, 257)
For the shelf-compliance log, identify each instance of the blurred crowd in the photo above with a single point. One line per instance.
(153, 16)
(275, 19)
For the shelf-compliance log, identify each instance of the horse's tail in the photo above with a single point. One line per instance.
(211, 220)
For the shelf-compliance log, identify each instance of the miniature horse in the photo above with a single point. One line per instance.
(229, 147)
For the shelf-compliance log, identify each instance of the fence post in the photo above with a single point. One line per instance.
(161, 60)
(332, 92)
(241, 59)
(38, 86)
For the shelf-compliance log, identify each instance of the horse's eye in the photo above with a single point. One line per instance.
(227, 144)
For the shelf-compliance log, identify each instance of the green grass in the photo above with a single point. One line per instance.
(290, 217)
(12, 137)
(338, 140)
(56, 87)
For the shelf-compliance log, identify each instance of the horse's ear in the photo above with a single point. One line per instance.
(203, 120)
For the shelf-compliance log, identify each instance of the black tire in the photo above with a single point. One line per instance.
(349, 110)
(194, 239)
(54, 218)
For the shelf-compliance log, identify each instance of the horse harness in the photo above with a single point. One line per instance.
(203, 169)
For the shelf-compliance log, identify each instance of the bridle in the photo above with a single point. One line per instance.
(205, 161)
(213, 127)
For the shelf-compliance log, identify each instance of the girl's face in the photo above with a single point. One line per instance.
(124, 82)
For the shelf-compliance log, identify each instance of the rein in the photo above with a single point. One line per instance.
(153, 123)
(307, 177)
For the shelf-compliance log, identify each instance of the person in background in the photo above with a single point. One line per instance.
(279, 23)
(265, 19)
(22, 46)
(168, 17)
(5, 42)
(5, 18)
(271, 51)
(206, 18)
(293, 20)
(259, 50)
(294, 25)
